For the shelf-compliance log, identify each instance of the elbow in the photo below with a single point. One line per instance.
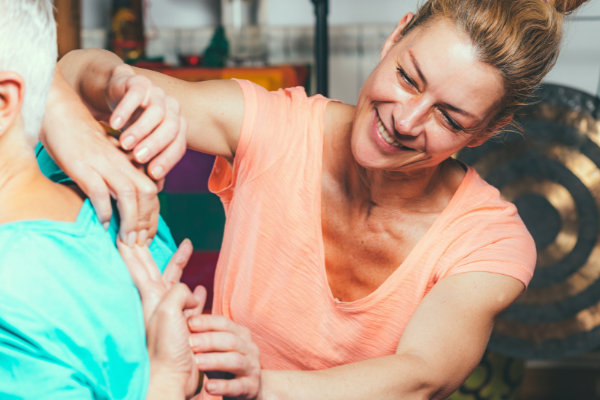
(428, 382)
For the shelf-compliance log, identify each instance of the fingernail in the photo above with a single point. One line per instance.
(211, 386)
(141, 155)
(148, 242)
(142, 237)
(193, 323)
(123, 237)
(117, 123)
(157, 172)
(106, 225)
(131, 239)
(128, 142)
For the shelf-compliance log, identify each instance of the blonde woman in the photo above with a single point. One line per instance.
(359, 260)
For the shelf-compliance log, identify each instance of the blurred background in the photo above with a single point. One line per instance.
(272, 43)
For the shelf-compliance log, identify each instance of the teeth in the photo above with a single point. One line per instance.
(385, 134)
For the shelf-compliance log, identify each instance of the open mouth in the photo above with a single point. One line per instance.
(389, 138)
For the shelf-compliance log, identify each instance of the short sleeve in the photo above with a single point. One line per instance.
(502, 247)
(271, 123)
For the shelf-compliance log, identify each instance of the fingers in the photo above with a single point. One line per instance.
(138, 271)
(174, 270)
(232, 388)
(200, 294)
(217, 323)
(171, 155)
(148, 208)
(128, 93)
(124, 191)
(97, 191)
(232, 362)
(217, 341)
(164, 128)
(178, 298)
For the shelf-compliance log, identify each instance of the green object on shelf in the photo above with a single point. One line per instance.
(197, 216)
(217, 53)
(497, 377)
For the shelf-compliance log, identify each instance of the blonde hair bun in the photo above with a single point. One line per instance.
(567, 6)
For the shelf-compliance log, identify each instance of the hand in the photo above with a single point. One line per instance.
(221, 345)
(155, 130)
(173, 371)
(82, 149)
(146, 276)
(154, 288)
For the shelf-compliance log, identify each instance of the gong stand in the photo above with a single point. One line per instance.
(322, 46)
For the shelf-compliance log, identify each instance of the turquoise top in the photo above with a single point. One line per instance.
(71, 322)
(163, 246)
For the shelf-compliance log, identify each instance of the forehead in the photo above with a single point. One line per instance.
(450, 64)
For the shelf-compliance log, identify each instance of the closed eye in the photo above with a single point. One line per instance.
(406, 78)
(452, 123)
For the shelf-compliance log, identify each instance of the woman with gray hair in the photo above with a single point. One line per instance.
(71, 322)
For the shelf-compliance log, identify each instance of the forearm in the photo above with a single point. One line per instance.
(88, 73)
(394, 377)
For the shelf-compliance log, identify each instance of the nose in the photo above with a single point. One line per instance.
(409, 118)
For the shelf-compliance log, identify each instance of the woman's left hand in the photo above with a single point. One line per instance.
(221, 345)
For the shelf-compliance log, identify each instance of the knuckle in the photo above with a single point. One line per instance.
(239, 362)
(126, 190)
(148, 189)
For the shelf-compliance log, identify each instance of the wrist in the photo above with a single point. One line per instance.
(165, 385)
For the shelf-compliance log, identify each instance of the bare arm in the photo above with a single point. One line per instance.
(213, 109)
(441, 345)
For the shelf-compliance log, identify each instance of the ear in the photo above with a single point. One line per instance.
(12, 92)
(396, 35)
(481, 139)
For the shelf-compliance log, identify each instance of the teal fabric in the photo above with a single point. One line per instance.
(71, 322)
(163, 246)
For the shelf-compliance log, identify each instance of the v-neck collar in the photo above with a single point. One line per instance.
(388, 284)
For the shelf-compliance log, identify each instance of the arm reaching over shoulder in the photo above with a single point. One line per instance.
(214, 109)
(82, 149)
(442, 344)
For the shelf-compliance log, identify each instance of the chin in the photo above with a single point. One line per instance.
(367, 155)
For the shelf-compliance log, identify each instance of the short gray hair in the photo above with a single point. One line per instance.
(28, 47)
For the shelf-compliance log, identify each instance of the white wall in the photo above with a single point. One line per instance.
(578, 65)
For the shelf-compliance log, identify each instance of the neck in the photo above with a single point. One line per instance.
(19, 171)
(25, 193)
(424, 190)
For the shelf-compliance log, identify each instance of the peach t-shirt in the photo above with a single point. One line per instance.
(271, 272)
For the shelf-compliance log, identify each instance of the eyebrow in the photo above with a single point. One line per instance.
(417, 67)
(458, 110)
(445, 105)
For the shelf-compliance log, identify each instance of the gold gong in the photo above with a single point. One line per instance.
(551, 173)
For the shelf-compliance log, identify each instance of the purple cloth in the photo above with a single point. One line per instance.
(191, 174)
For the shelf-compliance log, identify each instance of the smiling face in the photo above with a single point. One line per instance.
(428, 98)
